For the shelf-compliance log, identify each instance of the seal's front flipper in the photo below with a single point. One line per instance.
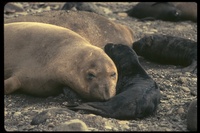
(11, 84)
(191, 68)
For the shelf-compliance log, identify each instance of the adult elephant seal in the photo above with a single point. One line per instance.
(137, 93)
(167, 49)
(41, 59)
(95, 28)
(155, 10)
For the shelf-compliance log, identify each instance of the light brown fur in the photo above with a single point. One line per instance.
(188, 10)
(41, 59)
(95, 28)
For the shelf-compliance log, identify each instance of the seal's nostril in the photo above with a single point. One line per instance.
(108, 93)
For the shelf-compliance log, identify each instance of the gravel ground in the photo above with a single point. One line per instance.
(178, 89)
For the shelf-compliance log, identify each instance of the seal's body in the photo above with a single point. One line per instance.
(137, 93)
(95, 28)
(167, 49)
(192, 116)
(41, 58)
(188, 10)
(155, 10)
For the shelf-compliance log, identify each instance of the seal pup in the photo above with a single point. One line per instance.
(192, 116)
(96, 29)
(41, 59)
(137, 93)
(154, 10)
(166, 49)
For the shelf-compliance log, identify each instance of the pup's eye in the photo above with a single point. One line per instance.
(90, 76)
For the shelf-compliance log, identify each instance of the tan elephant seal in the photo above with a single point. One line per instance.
(154, 11)
(188, 10)
(41, 59)
(98, 30)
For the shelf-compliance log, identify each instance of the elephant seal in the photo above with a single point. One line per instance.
(83, 6)
(95, 28)
(165, 49)
(137, 93)
(188, 10)
(192, 116)
(154, 10)
(41, 59)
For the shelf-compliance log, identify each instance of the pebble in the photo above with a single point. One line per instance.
(17, 114)
(50, 125)
(72, 125)
(121, 14)
(180, 110)
(186, 89)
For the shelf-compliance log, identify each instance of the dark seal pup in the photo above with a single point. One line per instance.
(192, 116)
(41, 59)
(155, 10)
(96, 29)
(83, 6)
(137, 93)
(167, 49)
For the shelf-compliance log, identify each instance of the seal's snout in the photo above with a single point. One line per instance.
(108, 93)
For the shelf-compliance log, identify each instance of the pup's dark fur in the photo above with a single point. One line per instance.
(167, 49)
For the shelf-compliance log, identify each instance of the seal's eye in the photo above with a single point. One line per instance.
(113, 74)
(90, 76)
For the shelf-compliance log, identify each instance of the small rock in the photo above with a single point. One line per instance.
(106, 10)
(51, 125)
(167, 83)
(108, 127)
(188, 74)
(17, 114)
(5, 113)
(186, 89)
(72, 125)
(121, 14)
(182, 80)
(148, 32)
(180, 110)
(55, 7)
(123, 122)
(48, 8)
(154, 30)
(40, 118)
